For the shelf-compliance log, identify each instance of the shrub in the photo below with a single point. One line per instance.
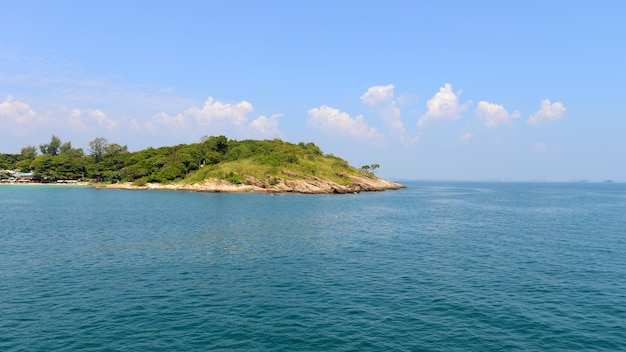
(172, 171)
(233, 178)
(140, 182)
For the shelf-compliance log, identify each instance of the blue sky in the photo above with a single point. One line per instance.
(482, 90)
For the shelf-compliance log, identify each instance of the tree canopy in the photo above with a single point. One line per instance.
(213, 157)
(51, 148)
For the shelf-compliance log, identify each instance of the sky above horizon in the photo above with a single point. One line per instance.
(483, 90)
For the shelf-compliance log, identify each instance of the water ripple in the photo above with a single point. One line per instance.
(435, 267)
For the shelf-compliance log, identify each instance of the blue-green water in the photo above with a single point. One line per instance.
(434, 267)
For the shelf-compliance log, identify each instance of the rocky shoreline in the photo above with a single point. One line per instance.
(310, 185)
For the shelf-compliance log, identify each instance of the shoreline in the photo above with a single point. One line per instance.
(82, 184)
(251, 184)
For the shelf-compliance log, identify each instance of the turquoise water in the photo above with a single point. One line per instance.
(434, 267)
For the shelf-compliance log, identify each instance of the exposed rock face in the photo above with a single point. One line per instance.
(310, 185)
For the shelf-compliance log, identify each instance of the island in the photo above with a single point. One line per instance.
(215, 164)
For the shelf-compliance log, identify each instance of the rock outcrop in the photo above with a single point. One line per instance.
(311, 185)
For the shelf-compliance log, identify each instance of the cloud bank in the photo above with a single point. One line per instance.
(219, 118)
(214, 117)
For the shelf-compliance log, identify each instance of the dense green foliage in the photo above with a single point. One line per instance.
(214, 157)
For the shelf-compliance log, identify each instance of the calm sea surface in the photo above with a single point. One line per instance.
(434, 267)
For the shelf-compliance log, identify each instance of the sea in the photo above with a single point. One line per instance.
(438, 266)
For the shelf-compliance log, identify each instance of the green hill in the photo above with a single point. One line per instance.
(231, 160)
(265, 164)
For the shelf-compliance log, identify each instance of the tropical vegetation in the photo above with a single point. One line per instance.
(214, 157)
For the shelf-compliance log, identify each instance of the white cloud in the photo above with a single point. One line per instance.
(217, 112)
(378, 95)
(17, 112)
(266, 126)
(134, 125)
(212, 113)
(382, 100)
(21, 115)
(178, 121)
(444, 105)
(494, 114)
(219, 117)
(334, 121)
(214, 117)
(549, 111)
(90, 119)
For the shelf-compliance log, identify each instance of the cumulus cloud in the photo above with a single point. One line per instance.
(88, 119)
(382, 100)
(379, 95)
(549, 111)
(211, 113)
(134, 125)
(178, 121)
(334, 121)
(219, 117)
(444, 105)
(494, 114)
(17, 112)
(21, 114)
(217, 112)
(266, 126)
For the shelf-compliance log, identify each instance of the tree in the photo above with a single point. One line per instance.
(23, 165)
(114, 149)
(218, 144)
(8, 161)
(29, 152)
(75, 153)
(97, 147)
(42, 165)
(370, 168)
(65, 148)
(51, 148)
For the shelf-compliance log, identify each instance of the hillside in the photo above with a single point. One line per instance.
(215, 164)
(253, 165)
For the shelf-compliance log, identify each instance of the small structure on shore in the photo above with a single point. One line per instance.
(18, 177)
(14, 176)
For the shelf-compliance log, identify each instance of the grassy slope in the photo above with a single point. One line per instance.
(324, 167)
